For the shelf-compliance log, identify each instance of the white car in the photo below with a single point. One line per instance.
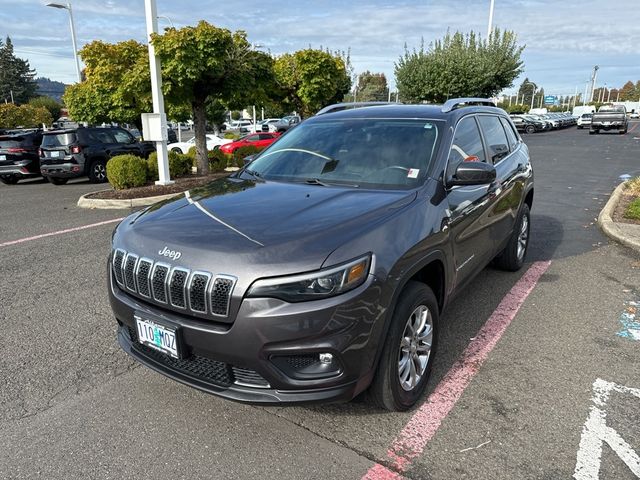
(584, 120)
(213, 141)
(260, 126)
(634, 115)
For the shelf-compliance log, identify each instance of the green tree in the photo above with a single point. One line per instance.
(628, 92)
(117, 86)
(311, 79)
(16, 76)
(459, 65)
(52, 106)
(527, 88)
(205, 63)
(372, 87)
(12, 116)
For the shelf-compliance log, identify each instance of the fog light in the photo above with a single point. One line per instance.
(326, 358)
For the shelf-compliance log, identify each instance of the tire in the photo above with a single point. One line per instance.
(9, 179)
(512, 257)
(177, 150)
(622, 132)
(592, 132)
(530, 129)
(579, 127)
(98, 171)
(416, 303)
(58, 181)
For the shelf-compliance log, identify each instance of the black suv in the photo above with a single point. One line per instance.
(322, 268)
(66, 154)
(19, 155)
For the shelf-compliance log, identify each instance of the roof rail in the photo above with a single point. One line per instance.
(454, 103)
(337, 107)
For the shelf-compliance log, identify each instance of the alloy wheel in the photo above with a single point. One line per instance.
(415, 348)
(523, 237)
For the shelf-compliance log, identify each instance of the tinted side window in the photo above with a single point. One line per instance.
(122, 136)
(265, 136)
(466, 143)
(511, 136)
(100, 135)
(495, 137)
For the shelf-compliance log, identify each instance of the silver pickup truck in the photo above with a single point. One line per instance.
(609, 117)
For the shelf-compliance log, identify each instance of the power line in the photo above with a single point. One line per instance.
(36, 52)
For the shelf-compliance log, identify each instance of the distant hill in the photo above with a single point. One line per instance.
(50, 88)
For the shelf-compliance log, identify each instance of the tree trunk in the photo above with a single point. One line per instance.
(200, 126)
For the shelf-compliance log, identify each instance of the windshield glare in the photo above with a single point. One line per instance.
(371, 153)
(58, 140)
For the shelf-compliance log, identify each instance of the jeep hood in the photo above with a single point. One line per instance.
(268, 225)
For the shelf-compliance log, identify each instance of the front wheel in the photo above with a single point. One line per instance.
(177, 150)
(530, 129)
(98, 172)
(408, 351)
(512, 257)
(622, 132)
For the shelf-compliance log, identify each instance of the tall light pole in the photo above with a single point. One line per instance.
(151, 16)
(67, 7)
(593, 82)
(490, 19)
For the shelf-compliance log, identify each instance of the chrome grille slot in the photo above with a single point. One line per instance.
(129, 271)
(142, 276)
(159, 277)
(177, 283)
(198, 291)
(118, 259)
(220, 293)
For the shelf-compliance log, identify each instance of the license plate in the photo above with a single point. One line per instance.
(55, 154)
(3, 157)
(157, 336)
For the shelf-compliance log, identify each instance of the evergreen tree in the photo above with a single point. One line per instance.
(16, 76)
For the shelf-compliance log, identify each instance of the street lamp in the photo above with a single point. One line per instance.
(73, 34)
(490, 19)
(533, 92)
(167, 19)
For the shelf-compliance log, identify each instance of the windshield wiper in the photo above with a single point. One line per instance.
(254, 174)
(317, 181)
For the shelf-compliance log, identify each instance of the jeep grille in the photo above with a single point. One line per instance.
(177, 288)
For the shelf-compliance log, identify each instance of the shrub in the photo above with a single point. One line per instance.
(633, 210)
(633, 186)
(231, 135)
(238, 156)
(126, 171)
(179, 165)
(218, 160)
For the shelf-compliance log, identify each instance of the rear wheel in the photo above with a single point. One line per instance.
(409, 349)
(9, 179)
(58, 181)
(177, 150)
(512, 257)
(98, 171)
(530, 129)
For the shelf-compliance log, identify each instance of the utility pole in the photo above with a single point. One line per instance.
(586, 90)
(489, 28)
(533, 93)
(157, 97)
(575, 97)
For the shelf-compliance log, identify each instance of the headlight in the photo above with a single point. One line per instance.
(314, 286)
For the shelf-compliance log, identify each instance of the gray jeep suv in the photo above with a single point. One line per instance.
(321, 269)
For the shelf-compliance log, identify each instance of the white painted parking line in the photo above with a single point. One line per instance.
(59, 232)
(596, 432)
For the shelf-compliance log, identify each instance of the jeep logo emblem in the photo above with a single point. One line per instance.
(172, 254)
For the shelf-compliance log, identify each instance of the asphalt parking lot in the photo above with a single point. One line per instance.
(553, 387)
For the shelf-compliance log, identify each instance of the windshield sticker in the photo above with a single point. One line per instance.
(413, 173)
(428, 126)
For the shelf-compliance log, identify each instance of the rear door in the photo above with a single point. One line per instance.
(124, 143)
(469, 206)
(503, 151)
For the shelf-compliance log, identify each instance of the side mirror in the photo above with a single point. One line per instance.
(249, 158)
(473, 172)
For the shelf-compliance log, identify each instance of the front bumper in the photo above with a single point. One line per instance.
(256, 359)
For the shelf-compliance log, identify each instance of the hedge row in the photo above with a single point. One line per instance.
(128, 171)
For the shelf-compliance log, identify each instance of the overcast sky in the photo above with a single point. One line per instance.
(563, 38)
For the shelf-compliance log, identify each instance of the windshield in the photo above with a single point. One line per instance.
(371, 153)
(614, 108)
(58, 140)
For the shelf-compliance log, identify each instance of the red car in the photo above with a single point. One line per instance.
(260, 140)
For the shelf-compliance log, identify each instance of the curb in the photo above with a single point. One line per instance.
(85, 202)
(615, 230)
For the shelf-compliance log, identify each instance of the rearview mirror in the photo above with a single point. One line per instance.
(473, 173)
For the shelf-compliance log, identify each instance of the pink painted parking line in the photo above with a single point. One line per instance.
(59, 232)
(424, 424)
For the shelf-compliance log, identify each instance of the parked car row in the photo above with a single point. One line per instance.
(531, 123)
(280, 125)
